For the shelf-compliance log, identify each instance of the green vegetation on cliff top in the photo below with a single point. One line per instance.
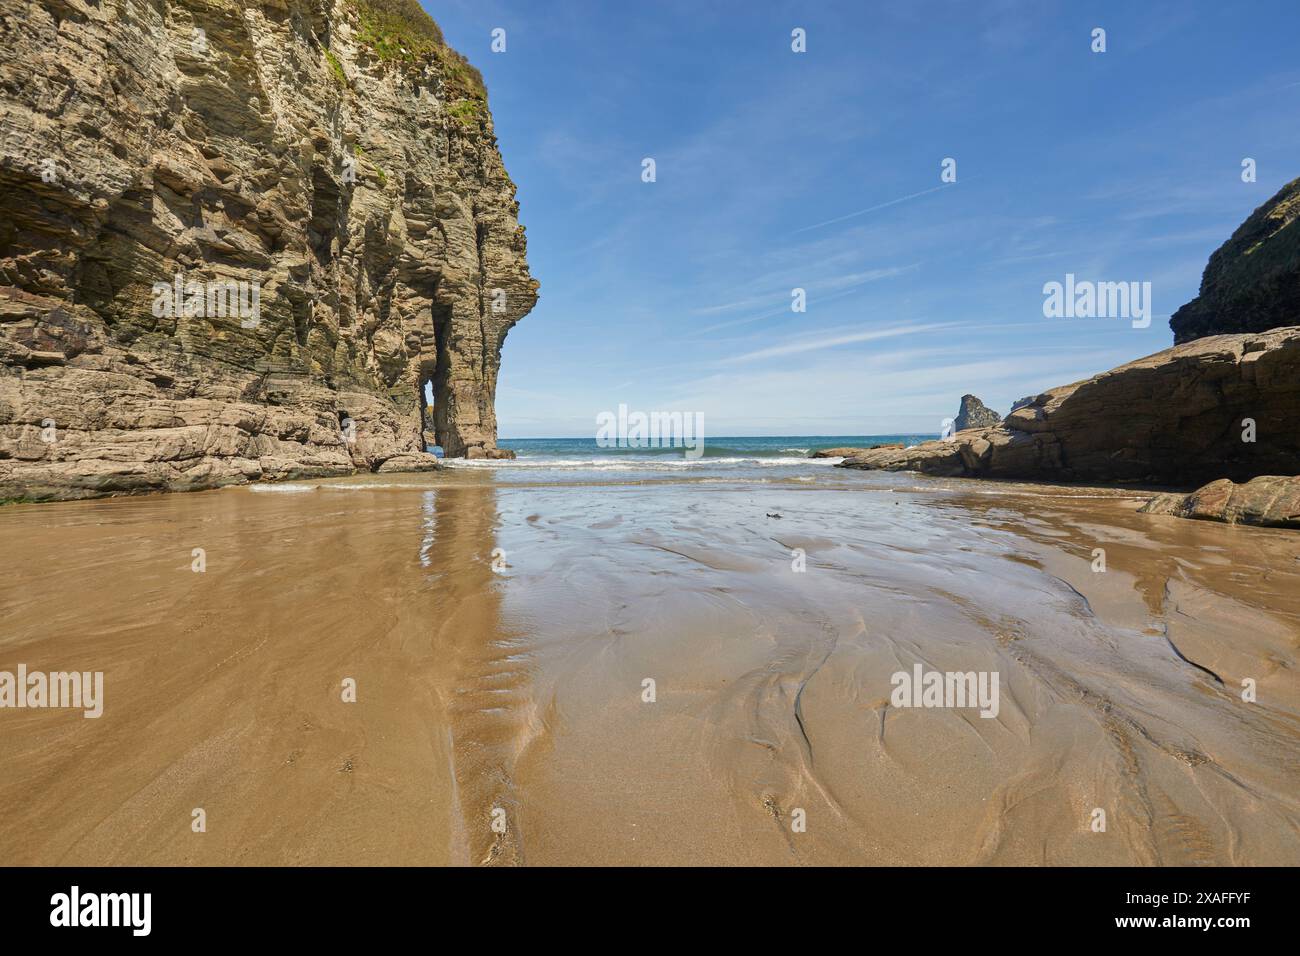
(401, 30)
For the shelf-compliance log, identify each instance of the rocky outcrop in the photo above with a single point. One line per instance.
(974, 414)
(849, 452)
(1252, 282)
(1223, 406)
(940, 458)
(237, 241)
(1268, 500)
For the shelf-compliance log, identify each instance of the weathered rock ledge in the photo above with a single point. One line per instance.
(1269, 500)
(849, 452)
(1181, 418)
(333, 155)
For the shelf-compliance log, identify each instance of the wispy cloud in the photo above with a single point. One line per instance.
(796, 346)
(851, 280)
(816, 293)
(883, 205)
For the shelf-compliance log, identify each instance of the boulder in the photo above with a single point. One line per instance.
(1270, 500)
(419, 461)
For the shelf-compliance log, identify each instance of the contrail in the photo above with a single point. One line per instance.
(863, 212)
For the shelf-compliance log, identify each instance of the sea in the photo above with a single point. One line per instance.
(781, 457)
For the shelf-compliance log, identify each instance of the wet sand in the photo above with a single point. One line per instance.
(519, 688)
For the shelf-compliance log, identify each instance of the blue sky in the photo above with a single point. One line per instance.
(778, 170)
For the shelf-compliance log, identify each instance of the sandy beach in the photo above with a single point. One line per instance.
(500, 631)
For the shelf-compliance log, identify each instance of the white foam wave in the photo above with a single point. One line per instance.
(299, 487)
(637, 464)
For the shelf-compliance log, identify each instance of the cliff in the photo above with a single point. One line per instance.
(1252, 281)
(238, 239)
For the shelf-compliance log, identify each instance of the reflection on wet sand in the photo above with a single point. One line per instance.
(224, 688)
(482, 673)
(501, 638)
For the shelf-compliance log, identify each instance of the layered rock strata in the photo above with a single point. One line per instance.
(239, 241)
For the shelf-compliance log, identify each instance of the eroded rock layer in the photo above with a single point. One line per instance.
(237, 240)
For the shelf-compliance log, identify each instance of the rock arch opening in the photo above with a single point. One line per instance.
(426, 398)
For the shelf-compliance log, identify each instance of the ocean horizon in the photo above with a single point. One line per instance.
(718, 449)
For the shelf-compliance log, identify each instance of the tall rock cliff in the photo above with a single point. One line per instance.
(237, 239)
(1252, 281)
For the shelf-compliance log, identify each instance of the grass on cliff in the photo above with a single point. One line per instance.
(400, 30)
(336, 68)
(465, 112)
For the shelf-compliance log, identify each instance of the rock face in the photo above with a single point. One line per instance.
(1252, 282)
(1180, 417)
(1268, 500)
(238, 239)
(974, 414)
